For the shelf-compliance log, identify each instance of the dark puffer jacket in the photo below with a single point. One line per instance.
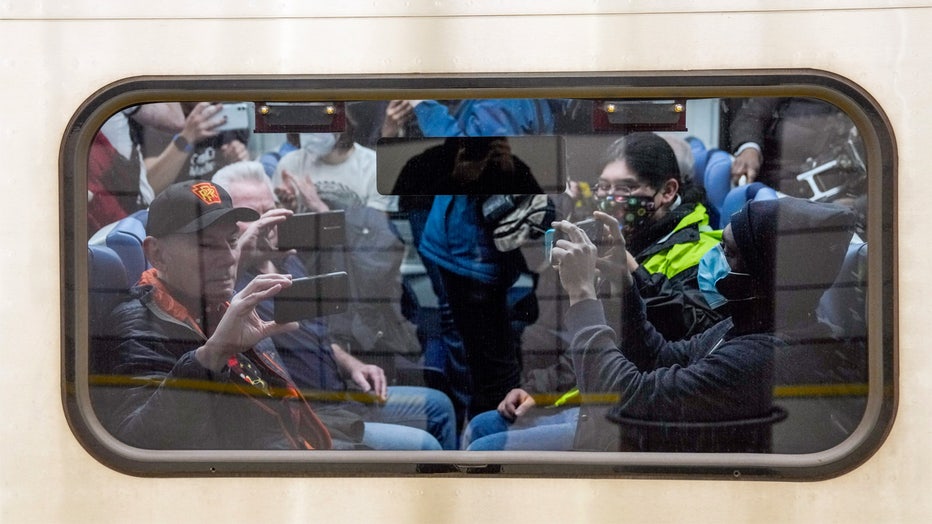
(175, 403)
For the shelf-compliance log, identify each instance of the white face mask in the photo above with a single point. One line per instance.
(319, 144)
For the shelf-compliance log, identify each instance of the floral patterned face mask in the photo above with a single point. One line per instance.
(632, 212)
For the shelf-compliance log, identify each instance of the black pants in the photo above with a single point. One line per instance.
(480, 312)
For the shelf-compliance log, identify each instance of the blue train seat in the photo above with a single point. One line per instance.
(107, 286)
(736, 198)
(700, 155)
(126, 240)
(717, 181)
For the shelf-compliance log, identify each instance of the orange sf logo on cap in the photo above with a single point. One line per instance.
(207, 192)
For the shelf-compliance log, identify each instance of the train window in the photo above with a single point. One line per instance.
(535, 275)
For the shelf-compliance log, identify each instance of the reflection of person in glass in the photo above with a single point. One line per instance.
(476, 276)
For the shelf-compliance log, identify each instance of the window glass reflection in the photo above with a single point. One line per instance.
(481, 274)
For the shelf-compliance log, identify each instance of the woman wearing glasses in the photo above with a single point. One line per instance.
(666, 228)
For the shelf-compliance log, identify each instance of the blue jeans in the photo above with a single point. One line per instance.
(398, 438)
(542, 429)
(412, 418)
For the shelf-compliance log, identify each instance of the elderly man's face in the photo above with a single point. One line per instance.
(254, 195)
(201, 264)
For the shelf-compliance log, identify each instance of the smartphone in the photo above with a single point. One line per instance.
(237, 117)
(313, 297)
(312, 231)
(591, 227)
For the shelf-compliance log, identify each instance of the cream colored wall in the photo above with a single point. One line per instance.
(53, 57)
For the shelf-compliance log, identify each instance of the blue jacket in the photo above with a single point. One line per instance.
(492, 117)
(456, 239)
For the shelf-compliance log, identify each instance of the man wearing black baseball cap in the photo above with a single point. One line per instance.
(212, 378)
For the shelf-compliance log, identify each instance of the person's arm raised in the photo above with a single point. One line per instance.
(241, 328)
(574, 256)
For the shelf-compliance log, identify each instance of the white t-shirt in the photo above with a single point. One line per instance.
(349, 184)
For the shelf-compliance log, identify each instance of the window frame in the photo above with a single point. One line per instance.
(876, 131)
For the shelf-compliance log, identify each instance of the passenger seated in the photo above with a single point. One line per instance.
(726, 372)
(666, 233)
(385, 417)
(205, 374)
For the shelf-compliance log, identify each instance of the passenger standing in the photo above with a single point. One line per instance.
(443, 349)
(774, 138)
(476, 277)
(117, 176)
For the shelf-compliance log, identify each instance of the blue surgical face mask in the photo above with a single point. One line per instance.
(319, 144)
(713, 267)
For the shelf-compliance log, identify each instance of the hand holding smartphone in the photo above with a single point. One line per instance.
(237, 117)
(313, 297)
(591, 227)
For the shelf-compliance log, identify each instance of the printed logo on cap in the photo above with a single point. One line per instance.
(207, 192)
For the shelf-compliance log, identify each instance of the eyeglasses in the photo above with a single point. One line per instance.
(621, 189)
